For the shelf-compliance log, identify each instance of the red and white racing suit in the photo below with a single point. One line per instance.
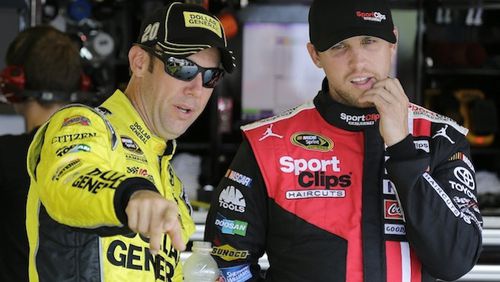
(316, 189)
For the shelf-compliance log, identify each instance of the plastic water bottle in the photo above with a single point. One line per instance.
(201, 266)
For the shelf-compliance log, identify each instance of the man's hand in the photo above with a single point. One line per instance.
(153, 216)
(388, 96)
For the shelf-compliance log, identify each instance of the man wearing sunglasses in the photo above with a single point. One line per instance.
(104, 202)
(358, 184)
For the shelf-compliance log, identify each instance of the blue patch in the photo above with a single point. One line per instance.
(239, 273)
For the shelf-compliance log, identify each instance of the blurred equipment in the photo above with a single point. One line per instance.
(13, 90)
(479, 115)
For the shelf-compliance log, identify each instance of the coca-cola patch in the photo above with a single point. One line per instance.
(392, 210)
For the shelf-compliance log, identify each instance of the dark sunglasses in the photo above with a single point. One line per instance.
(185, 69)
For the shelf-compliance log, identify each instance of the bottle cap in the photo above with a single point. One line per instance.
(202, 246)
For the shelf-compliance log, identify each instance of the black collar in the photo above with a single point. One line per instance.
(343, 116)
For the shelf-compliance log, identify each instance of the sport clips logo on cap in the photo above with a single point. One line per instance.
(371, 16)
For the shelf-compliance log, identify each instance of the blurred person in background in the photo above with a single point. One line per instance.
(43, 74)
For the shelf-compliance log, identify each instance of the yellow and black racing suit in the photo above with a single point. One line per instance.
(84, 164)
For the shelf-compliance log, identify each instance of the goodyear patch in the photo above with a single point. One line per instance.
(193, 19)
(312, 141)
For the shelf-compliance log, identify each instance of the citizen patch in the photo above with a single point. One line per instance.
(72, 137)
(312, 141)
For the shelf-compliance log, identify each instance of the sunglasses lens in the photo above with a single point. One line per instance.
(211, 77)
(181, 69)
(186, 70)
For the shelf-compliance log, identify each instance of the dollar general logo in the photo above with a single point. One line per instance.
(193, 19)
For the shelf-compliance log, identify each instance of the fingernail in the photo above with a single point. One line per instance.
(153, 252)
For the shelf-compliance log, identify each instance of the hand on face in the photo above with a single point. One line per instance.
(153, 216)
(388, 96)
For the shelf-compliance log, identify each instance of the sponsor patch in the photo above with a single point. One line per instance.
(97, 179)
(238, 178)
(140, 132)
(231, 198)
(81, 120)
(462, 188)
(229, 253)
(465, 176)
(143, 172)
(61, 171)
(312, 141)
(394, 229)
(307, 194)
(72, 149)
(194, 19)
(130, 145)
(236, 273)
(422, 145)
(421, 112)
(232, 227)
(361, 120)
(72, 137)
(388, 187)
(392, 210)
(461, 156)
(371, 16)
(289, 164)
(442, 194)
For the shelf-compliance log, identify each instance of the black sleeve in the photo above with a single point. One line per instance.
(436, 191)
(237, 219)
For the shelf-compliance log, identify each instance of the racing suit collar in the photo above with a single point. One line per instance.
(119, 102)
(343, 116)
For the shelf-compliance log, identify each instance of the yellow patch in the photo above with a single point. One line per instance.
(193, 19)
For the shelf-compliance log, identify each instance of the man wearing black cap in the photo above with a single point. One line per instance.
(104, 202)
(358, 184)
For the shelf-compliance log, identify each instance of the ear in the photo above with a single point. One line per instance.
(395, 45)
(313, 53)
(138, 60)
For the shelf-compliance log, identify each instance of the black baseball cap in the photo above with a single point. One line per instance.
(181, 30)
(331, 21)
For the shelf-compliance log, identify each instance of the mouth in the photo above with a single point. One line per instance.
(184, 110)
(363, 82)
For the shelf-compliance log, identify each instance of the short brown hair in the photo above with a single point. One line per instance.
(49, 57)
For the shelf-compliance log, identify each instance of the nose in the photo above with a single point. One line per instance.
(196, 86)
(357, 58)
